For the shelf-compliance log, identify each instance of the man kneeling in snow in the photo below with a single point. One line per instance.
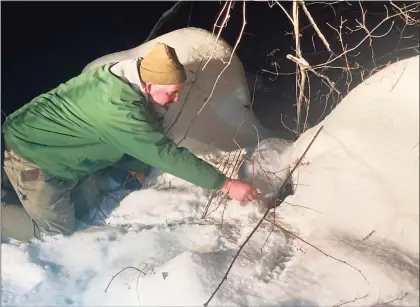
(62, 146)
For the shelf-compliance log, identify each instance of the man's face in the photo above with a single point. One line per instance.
(164, 94)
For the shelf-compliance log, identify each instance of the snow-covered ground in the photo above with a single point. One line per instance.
(356, 199)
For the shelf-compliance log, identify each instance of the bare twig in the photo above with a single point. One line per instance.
(397, 80)
(344, 48)
(254, 89)
(271, 231)
(369, 235)
(231, 56)
(321, 36)
(224, 23)
(293, 205)
(137, 282)
(409, 8)
(284, 10)
(190, 14)
(197, 75)
(206, 209)
(300, 78)
(297, 133)
(216, 24)
(352, 301)
(129, 267)
(319, 250)
(409, 20)
(162, 18)
(278, 73)
(233, 169)
(218, 77)
(305, 65)
(408, 13)
(261, 220)
(398, 298)
(307, 104)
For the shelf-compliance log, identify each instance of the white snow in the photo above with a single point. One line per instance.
(360, 175)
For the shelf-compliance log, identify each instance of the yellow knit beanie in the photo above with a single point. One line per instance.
(162, 66)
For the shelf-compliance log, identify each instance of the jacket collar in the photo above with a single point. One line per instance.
(128, 71)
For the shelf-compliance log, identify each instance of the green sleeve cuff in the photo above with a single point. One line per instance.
(219, 181)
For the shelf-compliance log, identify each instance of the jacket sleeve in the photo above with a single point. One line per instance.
(135, 131)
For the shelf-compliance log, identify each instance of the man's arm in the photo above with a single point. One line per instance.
(135, 132)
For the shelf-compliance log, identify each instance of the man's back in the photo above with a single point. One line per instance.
(62, 130)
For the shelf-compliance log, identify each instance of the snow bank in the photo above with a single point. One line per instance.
(356, 199)
(362, 175)
(225, 116)
(194, 253)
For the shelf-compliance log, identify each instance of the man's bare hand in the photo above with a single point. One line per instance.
(239, 190)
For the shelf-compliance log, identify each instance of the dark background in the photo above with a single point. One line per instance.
(46, 43)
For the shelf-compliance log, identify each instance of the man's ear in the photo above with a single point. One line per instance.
(148, 87)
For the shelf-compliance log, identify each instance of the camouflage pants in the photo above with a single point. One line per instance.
(46, 204)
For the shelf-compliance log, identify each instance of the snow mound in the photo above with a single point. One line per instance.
(355, 199)
(271, 165)
(19, 274)
(221, 100)
(361, 182)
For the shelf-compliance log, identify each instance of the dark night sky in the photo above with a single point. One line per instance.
(46, 43)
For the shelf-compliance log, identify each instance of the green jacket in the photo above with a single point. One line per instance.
(96, 120)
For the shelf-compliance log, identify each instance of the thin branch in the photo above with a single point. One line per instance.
(299, 206)
(397, 80)
(233, 169)
(197, 75)
(352, 301)
(278, 73)
(307, 104)
(363, 40)
(254, 89)
(269, 235)
(302, 76)
(321, 36)
(319, 250)
(129, 267)
(218, 77)
(137, 283)
(224, 23)
(398, 298)
(305, 65)
(189, 16)
(231, 56)
(369, 235)
(385, 34)
(284, 10)
(408, 19)
(206, 209)
(297, 133)
(216, 24)
(162, 18)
